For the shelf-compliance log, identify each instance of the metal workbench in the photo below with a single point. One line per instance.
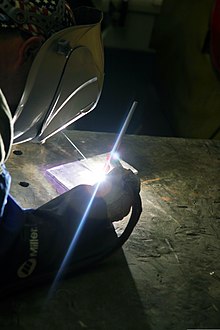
(167, 276)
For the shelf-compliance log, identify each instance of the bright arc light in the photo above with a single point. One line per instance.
(116, 156)
(99, 174)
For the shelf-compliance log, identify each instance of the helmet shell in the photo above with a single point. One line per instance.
(65, 80)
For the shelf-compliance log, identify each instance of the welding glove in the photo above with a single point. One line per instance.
(72, 230)
(118, 191)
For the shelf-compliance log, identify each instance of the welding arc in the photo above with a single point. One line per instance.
(120, 136)
(123, 129)
(137, 205)
(125, 126)
(134, 217)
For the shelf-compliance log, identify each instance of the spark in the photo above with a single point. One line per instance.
(77, 149)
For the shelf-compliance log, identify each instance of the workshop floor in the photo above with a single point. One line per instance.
(167, 275)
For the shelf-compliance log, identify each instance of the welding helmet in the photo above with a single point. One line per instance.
(66, 77)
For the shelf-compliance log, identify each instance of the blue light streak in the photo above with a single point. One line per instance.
(74, 241)
(83, 220)
(123, 129)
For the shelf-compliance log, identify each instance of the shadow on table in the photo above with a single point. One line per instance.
(103, 298)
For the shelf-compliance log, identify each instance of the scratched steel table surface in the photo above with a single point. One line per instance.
(167, 276)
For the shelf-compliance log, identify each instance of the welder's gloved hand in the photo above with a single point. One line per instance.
(118, 191)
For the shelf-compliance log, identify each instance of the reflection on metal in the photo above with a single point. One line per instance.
(85, 171)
